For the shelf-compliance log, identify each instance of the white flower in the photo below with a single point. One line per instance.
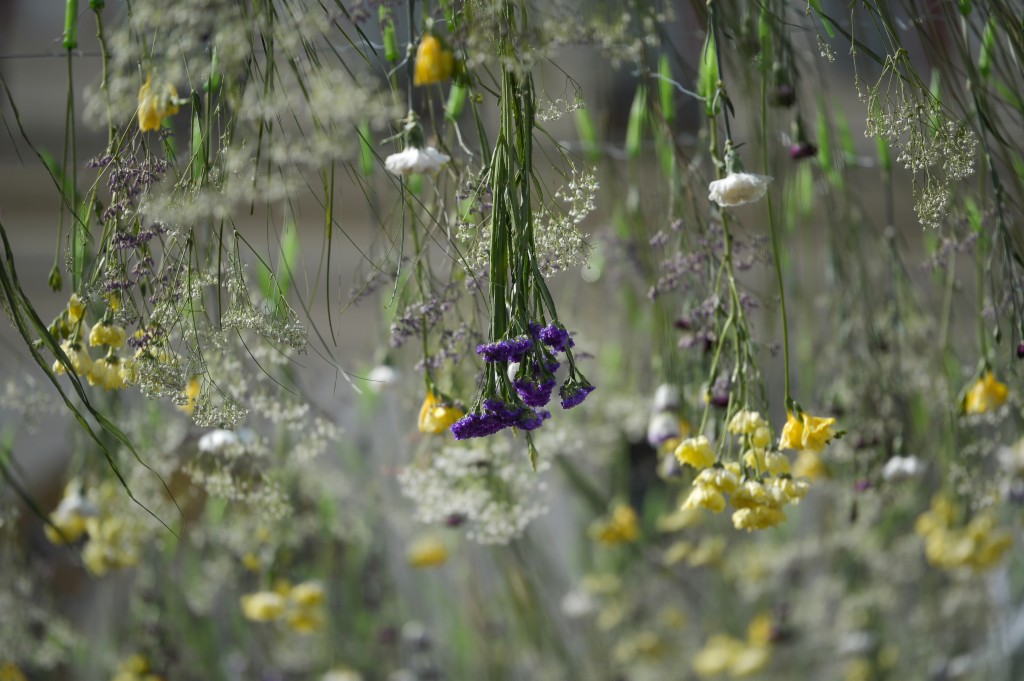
(737, 189)
(663, 426)
(380, 376)
(666, 397)
(74, 504)
(578, 603)
(902, 468)
(342, 674)
(218, 441)
(415, 160)
(1011, 458)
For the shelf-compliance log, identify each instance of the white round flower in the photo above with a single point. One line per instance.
(415, 160)
(666, 397)
(380, 376)
(663, 426)
(217, 441)
(902, 468)
(737, 189)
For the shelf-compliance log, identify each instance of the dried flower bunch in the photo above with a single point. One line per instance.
(391, 338)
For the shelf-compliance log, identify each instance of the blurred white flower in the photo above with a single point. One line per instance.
(578, 603)
(666, 397)
(663, 426)
(415, 160)
(342, 674)
(217, 441)
(902, 468)
(737, 189)
(380, 376)
(1011, 458)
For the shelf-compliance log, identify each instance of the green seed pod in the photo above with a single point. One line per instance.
(456, 101)
(71, 24)
(390, 36)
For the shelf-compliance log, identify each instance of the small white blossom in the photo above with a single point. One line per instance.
(415, 160)
(380, 376)
(663, 426)
(737, 189)
(902, 468)
(666, 397)
(217, 441)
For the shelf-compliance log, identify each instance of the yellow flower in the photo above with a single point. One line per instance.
(11, 672)
(436, 417)
(81, 362)
(427, 552)
(621, 528)
(306, 621)
(251, 562)
(986, 394)
(155, 107)
(695, 451)
(192, 390)
(775, 463)
(759, 631)
(705, 496)
(76, 309)
(709, 550)
(434, 63)
(677, 552)
(716, 655)
(807, 432)
(793, 490)
(721, 479)
(307, 594)
(107, 373)
(70, 516)
(107, 334)
(678, 520)
(749, 660)
(809, 464)
(263, 606)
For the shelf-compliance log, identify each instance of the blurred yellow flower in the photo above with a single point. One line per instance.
(154, 107)
(11, 672)
(621, 527)
(696, 452)
(263, 606)
(986, 394)
(307, 594)
(705, 496)
(436, 417)
(76, 309)
(107, 373)
(192, 390)
(427, 552)
(81, 362)
(809, 464)
(434, 63)
(134, 668)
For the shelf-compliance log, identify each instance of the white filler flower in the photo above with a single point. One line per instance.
(737, 189)
(415, 160)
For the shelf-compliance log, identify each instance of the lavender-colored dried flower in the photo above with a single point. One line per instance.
(509, 350)
(573, 395)
(556, 338)
(534, 393)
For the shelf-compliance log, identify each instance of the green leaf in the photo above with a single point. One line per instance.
(588, 134)
(707, 75)
(988, 41)
(366, 158)
(635, 126)
(666, 90)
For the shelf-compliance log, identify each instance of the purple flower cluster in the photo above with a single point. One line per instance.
(556, 338)
(534, 393)
(497, 415)
(510, 350)
(573, 394)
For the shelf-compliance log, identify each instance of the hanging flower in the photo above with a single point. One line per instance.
(622, 527)
(736, 189)
(696, 452)
(192, 391)
(434, 62)
(415, 160)
(70, 516)
(263, 606)
(986, 394)
(436, 416)
(76, 309)
(155, 107)
(427, 552)
(103, 333)
(79, 356)
(803, 431)
(107, 373)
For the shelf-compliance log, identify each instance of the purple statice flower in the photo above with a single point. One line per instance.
(573, 395)
(532, 420)
(509, 350)
(497, 415)
(556, 338)
(534, 393)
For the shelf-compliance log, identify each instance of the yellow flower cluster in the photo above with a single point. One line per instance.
(758, 489)
(427, 552)
(107, 372)
(437, 415)
(155, 106)
(434, 62)
(620, 527)
(135, 668)
(707, 551)
(985, 394)
(299, 606)
(980, 545)
(724, 654)
(112, 537)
